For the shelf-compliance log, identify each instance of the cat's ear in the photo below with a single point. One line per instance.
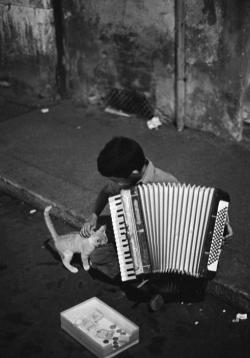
(103, 228)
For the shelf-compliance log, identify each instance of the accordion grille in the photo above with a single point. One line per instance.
(175, 219)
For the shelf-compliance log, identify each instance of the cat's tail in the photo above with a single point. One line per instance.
(49, 223)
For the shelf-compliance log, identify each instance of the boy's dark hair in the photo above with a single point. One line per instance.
(120, 157)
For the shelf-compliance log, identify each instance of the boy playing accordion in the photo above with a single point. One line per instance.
(123, 162)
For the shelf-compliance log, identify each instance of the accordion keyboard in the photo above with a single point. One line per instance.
(122, 241)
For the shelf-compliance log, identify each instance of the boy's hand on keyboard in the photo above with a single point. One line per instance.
(89, 226)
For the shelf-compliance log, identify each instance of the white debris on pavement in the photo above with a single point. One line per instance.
(224, 310)
(154, 123)
(93, 99)
(44, 110)
(4, 83)
(33, 211)
(196, 323)
(240, 317)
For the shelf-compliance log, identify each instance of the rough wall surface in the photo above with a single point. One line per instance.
(217, 43)
(132, 44)
(27, 42)
(125, 44)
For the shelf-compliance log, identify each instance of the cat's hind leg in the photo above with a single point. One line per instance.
(67, 257)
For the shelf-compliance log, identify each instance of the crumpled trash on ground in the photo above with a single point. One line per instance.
(4, 83)
(240, 317)
(154, 123)
(44, 110)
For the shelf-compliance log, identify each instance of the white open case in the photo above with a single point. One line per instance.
(100, 328)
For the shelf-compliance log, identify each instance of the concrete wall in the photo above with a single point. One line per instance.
(132, 44)
(27, 43)
(127, 44)
(217, 65)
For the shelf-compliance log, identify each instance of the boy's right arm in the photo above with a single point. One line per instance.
(100, 203)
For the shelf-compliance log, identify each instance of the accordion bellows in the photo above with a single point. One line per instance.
(171, 228)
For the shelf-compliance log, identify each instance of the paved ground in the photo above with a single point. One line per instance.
(35, 288)
(51, 158)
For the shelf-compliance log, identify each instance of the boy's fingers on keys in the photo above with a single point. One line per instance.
(83, 232)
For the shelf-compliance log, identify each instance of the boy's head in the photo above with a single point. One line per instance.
(122, 160)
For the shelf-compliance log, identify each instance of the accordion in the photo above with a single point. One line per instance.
(168, 228)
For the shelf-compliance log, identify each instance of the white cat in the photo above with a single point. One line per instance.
(69, 244)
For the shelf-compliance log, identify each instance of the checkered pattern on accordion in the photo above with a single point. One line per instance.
(171, 228)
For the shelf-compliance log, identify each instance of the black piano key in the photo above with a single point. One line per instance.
(128, 261)
(131, 274)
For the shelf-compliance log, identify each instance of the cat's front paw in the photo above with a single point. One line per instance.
(74, 270)
(86, 267)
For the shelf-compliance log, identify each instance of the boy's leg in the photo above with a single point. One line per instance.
(104, 259)
(135, 291)
(144, 290)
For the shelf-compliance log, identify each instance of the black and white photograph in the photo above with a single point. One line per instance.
(124, 178)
